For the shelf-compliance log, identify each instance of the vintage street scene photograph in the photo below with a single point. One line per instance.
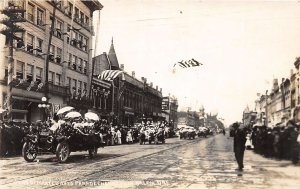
(142, 94)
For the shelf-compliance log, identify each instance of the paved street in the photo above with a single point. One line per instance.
(200, 163)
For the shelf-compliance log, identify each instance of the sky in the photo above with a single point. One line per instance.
(243, 46)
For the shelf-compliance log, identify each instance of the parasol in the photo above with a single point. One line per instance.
(73, 115)
(2, 110)
(64, 110)
(92, 116)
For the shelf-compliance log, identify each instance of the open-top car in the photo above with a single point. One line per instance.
(68, 137)
(147, 135)
(159, 136)
(202, 132)
(62, 143)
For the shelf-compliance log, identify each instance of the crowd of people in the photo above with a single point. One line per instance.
(279, 142)
(12, 132)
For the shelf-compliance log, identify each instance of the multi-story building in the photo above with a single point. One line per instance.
(130, 99)
(70, 56)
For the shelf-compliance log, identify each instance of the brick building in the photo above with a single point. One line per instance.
(130, 99)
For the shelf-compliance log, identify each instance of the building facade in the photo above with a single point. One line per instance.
(276, 107)
(130, 99)
(69, 56)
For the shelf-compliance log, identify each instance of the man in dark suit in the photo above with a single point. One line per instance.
(239, 142)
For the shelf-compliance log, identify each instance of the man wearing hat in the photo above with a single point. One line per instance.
(239, 142)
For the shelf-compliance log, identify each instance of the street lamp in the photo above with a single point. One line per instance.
(45, 105)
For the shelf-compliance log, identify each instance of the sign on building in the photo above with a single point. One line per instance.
(165, 103)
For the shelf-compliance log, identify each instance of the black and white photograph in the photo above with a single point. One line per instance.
(149, 94)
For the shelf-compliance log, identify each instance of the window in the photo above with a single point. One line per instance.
(80, 41)
(68, 81)
(52, 49)
(20, 41)
(74, 84)
(84, 86)
(80, 62)
(81, 17)
(76, 13)
(38, 74)
(29, 73)
(58, 79)
(51, 77)
(58, 55)
(69, 33)
(70, 60)
(30, 42)
(51, 54)
(30, 12)
(40, 17)
(59, 29)
(70, 9)
(84, 66)
(39, 45)
(87, 20)
(84, 44)
(20, 70)
(6, 66)
(79, 85)
(74, 62)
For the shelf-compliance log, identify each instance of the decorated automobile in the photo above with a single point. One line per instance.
(159, 136)
(147, 134)
(202, 132)
(63, 137)
(187, 132)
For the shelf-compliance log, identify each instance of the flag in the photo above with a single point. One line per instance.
(121, 92)
(39, 86)
(188, 63)
(21, 82)
(30, 86)
(109, 75)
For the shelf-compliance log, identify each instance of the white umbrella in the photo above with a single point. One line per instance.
(2, 110)
(64, 109)
(92, 116)
(73, 114)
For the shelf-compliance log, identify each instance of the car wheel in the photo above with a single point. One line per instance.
(62, 152)
(29, 152)
(93, 152)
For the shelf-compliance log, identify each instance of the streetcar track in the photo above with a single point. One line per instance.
(109, 169)
(105, 170)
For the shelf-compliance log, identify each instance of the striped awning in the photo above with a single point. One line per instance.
(109, 75)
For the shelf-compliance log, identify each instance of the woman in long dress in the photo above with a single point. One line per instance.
(129, 136)
(119, 136)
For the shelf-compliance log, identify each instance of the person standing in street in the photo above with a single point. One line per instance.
(239, 142)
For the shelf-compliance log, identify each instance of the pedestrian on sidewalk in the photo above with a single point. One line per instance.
(239, 142)
(119, 135)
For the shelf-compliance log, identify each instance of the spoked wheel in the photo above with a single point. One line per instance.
(29, 151)
(93, 152)
(62, 152)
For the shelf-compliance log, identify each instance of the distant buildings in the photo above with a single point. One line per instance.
(275, 107)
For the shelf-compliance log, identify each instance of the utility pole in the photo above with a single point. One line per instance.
(54, 2)
(15, 15)
(266, 120)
